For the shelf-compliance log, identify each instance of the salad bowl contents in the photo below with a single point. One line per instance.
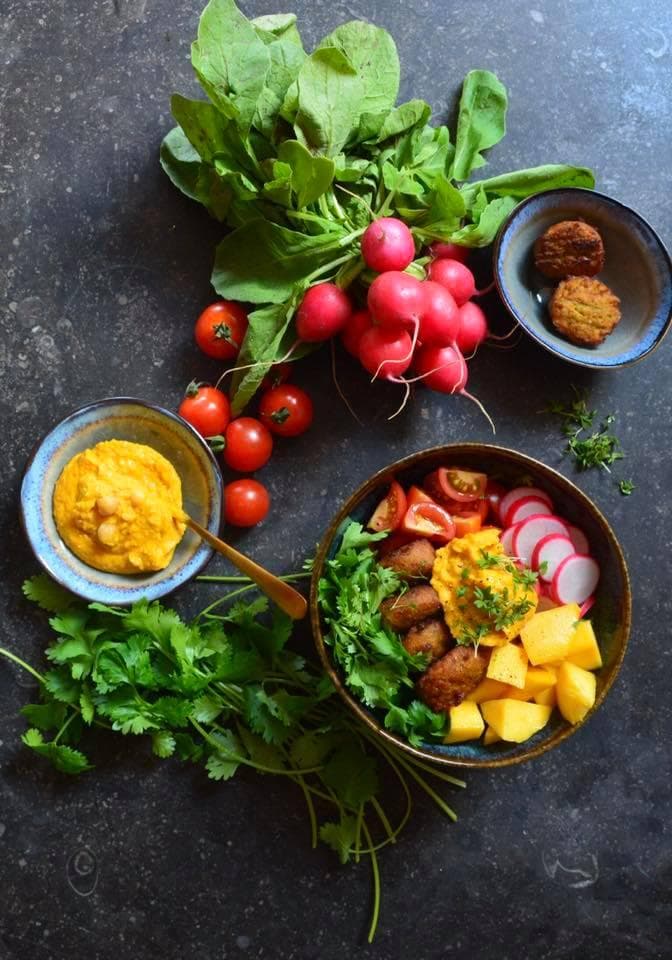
(478, 612)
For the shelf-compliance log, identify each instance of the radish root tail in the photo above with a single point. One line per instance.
(407, 393)
(338, 386)
(408, 356)
(480, 406)
(516, 326)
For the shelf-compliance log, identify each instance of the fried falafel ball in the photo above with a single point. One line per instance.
(584, 310)
(447, 682)
(414, 560)
(431, 637)
(417, 604)
(570, 248)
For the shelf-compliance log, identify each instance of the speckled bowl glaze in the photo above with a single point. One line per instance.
(637, 268)
(121, 418)
(610, 615)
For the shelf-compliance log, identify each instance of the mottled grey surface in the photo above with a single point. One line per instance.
(104, 268)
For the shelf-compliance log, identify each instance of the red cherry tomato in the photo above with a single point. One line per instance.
(493, 494)
(246, 503)
(206, 409)
(278, 373)
(417, 495)
(248, 445)
(390, 511)
(220, 329)
(429, 520)
(452, 483)
(286, 410)
(468, 522)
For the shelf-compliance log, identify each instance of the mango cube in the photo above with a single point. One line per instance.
(546, 637)
(515, 720)
(488, 690)
(466, 723)
(508, 664)
(536, 679)
(576, 689)
(583, 648)
(547, 697)
(490, 737)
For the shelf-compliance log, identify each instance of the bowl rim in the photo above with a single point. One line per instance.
(368, 486)
(510, 219)
(73, 416)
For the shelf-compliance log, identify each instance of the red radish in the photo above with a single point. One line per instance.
(579, 539)
(323, 312)
(396, 299)
(517, 494)
(550, 551)
(506, 540)
(527, 507)
(444, 369)
(386, 353)
(356, 325)
(449, 251)
(473, 327)
(387, 244)
(439, 321)
(586, 607)
(455, 277)
(575, 579)
(531, 530)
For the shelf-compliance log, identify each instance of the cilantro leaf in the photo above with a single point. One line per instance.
(340, 836)
(351, 774)
(63, 758)
(416, 722)
(206, 708)
(47, 594)
(46, 716)
(223, 761)
(61, 685)
(163, 743)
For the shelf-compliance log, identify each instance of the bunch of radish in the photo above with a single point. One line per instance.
(536, 536)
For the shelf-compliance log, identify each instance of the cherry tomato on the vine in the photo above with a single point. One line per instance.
(206, 408)
(277, 374)
(246, 503)
(220, 329)
(247, 445)
(286, 410)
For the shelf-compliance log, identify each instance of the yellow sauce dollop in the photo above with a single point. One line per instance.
(117, 507)
(477, 561)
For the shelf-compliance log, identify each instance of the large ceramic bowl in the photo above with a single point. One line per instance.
(637, 268)
(121, 418)
(610, 615)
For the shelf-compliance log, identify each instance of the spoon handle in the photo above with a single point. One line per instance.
(286, 597)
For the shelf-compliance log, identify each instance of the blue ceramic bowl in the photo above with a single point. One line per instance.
(610, 615)
(637, 268)
(121, 418)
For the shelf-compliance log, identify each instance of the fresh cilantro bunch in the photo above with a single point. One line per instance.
(225, 690)
(297, 152)
(376, 665)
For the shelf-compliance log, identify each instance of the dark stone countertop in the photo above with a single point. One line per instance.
(104, 269)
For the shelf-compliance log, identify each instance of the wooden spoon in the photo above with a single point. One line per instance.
(287, 598)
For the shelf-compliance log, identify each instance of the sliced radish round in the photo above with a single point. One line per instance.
(575, 579)
(529, 532)
(579, 539)
(528, 507)
(513, 496)
(507, 540)
(586, 607)
(551, 550)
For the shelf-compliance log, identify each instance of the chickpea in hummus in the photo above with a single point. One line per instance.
(486, 599)
(118, 505)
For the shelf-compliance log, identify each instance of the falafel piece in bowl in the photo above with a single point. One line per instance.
(449, 680)
(569, 248)
(584, 310)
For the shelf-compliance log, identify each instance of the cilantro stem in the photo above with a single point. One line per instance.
(288, 578)
(224, 599)
(386, 753)
(64, 727)
(376, 884)
(311, 810)
(382, 816)
(230, 755)
(22, 663)
(439, 801)
(436, 773)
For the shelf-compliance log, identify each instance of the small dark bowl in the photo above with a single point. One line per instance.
(610, 615)
(637, 268)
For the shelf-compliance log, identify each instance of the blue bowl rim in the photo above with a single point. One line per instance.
(73, 415)
(573, 191)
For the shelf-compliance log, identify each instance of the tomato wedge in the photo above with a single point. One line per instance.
(390, 511)
(429, 520)
(451, 483)
(417, 495)
(465, 523)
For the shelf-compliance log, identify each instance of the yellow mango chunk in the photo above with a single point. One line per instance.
(547, 697)
(488, 690)
(546, 637)
(508, 664)
(583, 648)
(490, 737)
(466, 723)
(515, 720)
(536, 679)
(576, 691)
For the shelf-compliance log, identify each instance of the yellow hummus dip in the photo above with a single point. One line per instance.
(484, 595)
(116, 507)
